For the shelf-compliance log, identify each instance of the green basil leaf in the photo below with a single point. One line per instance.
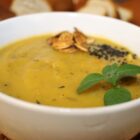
(128, 70)
(89, 81)
(113, 73)
(110, 73)
(117, 96)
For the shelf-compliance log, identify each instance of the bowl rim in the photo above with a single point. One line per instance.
(12, 101)
(18, 103)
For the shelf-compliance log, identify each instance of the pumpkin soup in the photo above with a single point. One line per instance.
(34, 71)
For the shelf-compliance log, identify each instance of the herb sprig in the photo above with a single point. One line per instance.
(111, 74)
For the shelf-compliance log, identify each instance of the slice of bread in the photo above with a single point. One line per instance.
(21, 7)
(107, 8)
(101, 7)
(107, 4)
(111, 8)
(124, 14)
(97, 10)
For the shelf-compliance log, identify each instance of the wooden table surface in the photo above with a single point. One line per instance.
(134, 5)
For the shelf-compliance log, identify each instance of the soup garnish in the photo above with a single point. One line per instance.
(72, 42)
(111, 74)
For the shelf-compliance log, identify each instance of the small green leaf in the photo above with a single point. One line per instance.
(117, 96)
(128, 70)
(113, 73)
(110, 73)
(89, 81)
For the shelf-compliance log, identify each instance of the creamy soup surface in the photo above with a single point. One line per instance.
(33, 71)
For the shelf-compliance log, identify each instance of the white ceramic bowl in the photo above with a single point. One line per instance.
(26, 121)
